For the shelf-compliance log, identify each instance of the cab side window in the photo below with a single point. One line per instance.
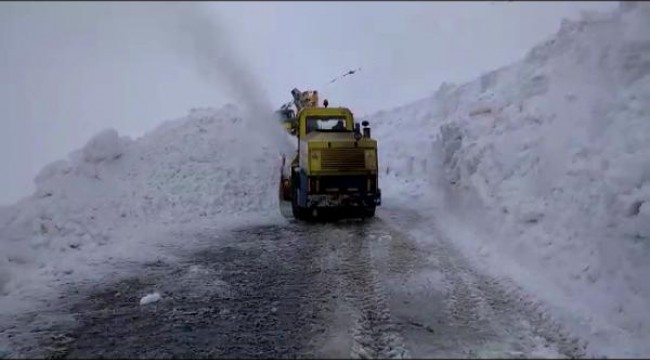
(312, 125)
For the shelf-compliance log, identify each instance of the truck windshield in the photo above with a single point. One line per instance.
(326, 124)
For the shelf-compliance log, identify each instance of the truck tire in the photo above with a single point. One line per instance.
(295, 209)
(369, 212)
(298, 212)
(294, 195)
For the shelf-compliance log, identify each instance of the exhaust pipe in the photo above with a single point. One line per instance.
(366, 129)
(357, 132)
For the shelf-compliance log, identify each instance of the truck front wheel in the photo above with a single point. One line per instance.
(298, 212)
(369, 212)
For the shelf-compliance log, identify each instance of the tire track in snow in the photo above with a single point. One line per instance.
(374, 333)
(489, 316)
(480, 302)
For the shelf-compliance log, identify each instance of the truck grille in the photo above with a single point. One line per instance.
(343, 159)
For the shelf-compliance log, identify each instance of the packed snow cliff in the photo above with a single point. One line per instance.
(102, 201)
(549, 159)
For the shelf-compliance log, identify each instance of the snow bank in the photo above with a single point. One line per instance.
(116, 197)
(549, 160)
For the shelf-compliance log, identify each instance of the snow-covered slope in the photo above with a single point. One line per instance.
(115, 197)
(548, 160)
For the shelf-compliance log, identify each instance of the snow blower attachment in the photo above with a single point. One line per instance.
(335, 170)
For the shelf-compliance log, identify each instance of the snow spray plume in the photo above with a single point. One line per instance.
(218, 61)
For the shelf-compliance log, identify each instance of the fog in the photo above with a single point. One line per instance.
(71, 69)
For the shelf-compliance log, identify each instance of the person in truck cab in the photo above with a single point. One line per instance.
(339, 126)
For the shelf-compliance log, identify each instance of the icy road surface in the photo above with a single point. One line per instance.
(345, 289)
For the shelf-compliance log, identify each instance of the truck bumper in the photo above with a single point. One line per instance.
(344, 200)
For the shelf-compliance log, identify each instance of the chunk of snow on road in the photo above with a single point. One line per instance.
(150, 298)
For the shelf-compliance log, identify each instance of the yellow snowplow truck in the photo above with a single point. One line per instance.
(335, 169)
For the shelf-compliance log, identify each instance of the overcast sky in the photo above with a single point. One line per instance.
(71, 69)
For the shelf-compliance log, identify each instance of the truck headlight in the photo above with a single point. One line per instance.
(371, 159)
(314, 159)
